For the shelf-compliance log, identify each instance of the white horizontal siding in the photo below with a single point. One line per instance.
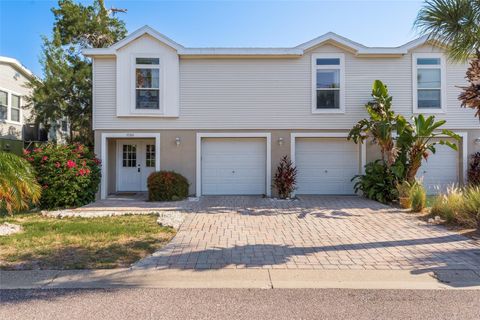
(274, 94)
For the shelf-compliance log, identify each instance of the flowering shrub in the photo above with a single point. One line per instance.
(167, 186)
(68, 174)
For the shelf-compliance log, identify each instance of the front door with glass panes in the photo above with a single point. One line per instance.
(135, 162)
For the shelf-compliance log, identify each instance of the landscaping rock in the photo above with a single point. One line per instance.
(172, 219)
(7, 229)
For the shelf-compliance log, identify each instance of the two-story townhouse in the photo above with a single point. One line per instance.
(224, 117)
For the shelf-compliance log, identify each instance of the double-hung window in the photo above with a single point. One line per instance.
(15, 109)
(328, 83)
(10, 106)
(147, 83)
(429, 83)
(3, 105)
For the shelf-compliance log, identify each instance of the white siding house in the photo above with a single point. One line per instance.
(198, 107)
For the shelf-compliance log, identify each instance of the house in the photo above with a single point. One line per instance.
(16, 124)
(13, 116)
(224, 117)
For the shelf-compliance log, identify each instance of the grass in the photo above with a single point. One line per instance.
(430, 201)
(80, 243)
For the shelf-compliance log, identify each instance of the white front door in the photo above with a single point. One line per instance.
(135, 162)
(326, 165)
(233, 166)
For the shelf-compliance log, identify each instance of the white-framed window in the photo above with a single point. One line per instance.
(328, 83)
(429, 83)
(10, 106)
(15, 108)
(3, 105)
(147, 83)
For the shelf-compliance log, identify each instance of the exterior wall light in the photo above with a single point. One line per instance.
(477, 141)
(280, 141)
(177, 141)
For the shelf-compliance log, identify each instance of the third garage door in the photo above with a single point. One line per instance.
(326, 165)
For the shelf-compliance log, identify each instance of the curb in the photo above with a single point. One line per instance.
(239, 278)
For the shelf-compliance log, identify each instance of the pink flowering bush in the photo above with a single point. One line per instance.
(68, 174)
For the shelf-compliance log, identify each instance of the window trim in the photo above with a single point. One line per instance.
(443, 79)
(314, 68)
(9, 107)
(133, 84)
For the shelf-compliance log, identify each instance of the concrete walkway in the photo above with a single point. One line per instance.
(244, 278)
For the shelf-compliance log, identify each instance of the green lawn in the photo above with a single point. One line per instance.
(80, 243)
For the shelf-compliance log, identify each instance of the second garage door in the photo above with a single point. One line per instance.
(233, 166)
(325, 165)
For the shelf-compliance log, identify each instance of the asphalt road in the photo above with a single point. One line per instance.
(239, 304)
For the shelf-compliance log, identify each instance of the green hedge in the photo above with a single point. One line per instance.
(167, 186)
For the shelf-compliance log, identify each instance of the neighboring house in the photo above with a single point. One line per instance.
(15, 118)
(224, 117)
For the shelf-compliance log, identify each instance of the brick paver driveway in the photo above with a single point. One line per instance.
(313, 233)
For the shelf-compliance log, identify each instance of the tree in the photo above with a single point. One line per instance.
(18, 186)
(403, 145)
(65, 90)
(457, 24)
(381, 124)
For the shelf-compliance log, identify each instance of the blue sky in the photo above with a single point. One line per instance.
(223, 23)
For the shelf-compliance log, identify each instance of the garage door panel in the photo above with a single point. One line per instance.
(233, 166)
(325, 165)
(440, 170)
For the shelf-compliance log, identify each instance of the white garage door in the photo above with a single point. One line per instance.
(325, 165)
(440, 170)
(233, 166)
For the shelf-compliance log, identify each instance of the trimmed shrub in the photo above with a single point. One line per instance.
(418, 197)
(68, 174)
(474, 169)
(167, 186)
(285, 178)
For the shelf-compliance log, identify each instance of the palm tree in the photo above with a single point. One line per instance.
(18, 186)
(453, 22)
(457, 24)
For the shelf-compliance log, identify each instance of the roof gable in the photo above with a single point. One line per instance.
(151, 32)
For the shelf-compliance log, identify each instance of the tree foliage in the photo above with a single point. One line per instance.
(65, 90)
(453, 22)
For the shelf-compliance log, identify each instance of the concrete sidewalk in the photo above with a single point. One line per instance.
(240, 278)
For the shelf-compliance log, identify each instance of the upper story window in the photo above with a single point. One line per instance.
(328, 83)
(429, 83)
(10, 106)
(147, 83)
